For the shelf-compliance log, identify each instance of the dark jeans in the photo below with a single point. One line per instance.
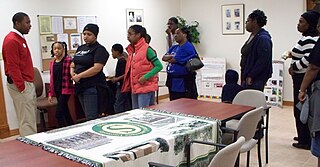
(123, 101)
(302, 129)
(257, 85)
(89, 102)
(62, 113)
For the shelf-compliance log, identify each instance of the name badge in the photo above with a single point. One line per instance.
(24, 45)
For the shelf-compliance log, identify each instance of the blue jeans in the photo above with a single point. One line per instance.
(142, 100)
(123, 101)
(89, 102)
(315, 145)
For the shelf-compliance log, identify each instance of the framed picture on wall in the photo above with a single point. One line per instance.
(134, 16)
(313, 5)
(232, 19)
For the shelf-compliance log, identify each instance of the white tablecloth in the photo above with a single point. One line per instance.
(131, 139)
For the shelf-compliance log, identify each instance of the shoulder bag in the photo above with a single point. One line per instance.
(194, 64)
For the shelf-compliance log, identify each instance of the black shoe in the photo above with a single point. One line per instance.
(301, 146)
(295, 138)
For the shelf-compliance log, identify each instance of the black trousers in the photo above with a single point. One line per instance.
(302, 129)
(190, 87)
(62, 113)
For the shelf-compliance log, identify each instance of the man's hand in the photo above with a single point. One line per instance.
(168, 31)
(249, 81)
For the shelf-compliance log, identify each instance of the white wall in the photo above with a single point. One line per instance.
(111, 18)
(282, 18)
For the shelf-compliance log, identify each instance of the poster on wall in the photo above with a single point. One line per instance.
(63, 38)
(75, 39)
(84, 20)
(57, 25)
(45, 25)
(46, 42)
(70, 23)
(134, 16)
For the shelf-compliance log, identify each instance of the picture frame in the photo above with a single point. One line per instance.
(232, 19)
(312, 5)
(134, 16)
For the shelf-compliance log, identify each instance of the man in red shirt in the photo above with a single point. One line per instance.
(19, 71)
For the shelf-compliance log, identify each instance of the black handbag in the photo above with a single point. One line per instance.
(194, 64)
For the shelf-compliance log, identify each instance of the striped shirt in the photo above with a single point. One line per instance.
(300, 53)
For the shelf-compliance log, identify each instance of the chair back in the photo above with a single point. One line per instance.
(247, 125)
(251, 97)
(38, 83)
(228, 155)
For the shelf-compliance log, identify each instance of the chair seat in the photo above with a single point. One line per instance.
(43, 103)
(248, 145)
(232, 124)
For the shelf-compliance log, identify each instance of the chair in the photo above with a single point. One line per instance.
(226, 157)
(246, 127)
(42, 102)
(161, 84)
(256, 98)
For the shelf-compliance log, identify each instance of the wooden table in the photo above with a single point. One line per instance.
(217, 110)
(17, 154)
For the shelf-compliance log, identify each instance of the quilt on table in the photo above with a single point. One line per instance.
(129, 139)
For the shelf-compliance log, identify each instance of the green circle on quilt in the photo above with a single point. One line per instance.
(122, 129)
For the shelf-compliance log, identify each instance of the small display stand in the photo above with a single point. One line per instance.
(210, 78)
(274, 87)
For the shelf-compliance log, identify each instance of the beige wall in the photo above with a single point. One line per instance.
(282, 18)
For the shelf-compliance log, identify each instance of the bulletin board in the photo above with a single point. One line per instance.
(61, 28)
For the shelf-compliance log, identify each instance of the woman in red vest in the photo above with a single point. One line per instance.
(142, 66)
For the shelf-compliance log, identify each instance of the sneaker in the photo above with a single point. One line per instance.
(301, 146)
